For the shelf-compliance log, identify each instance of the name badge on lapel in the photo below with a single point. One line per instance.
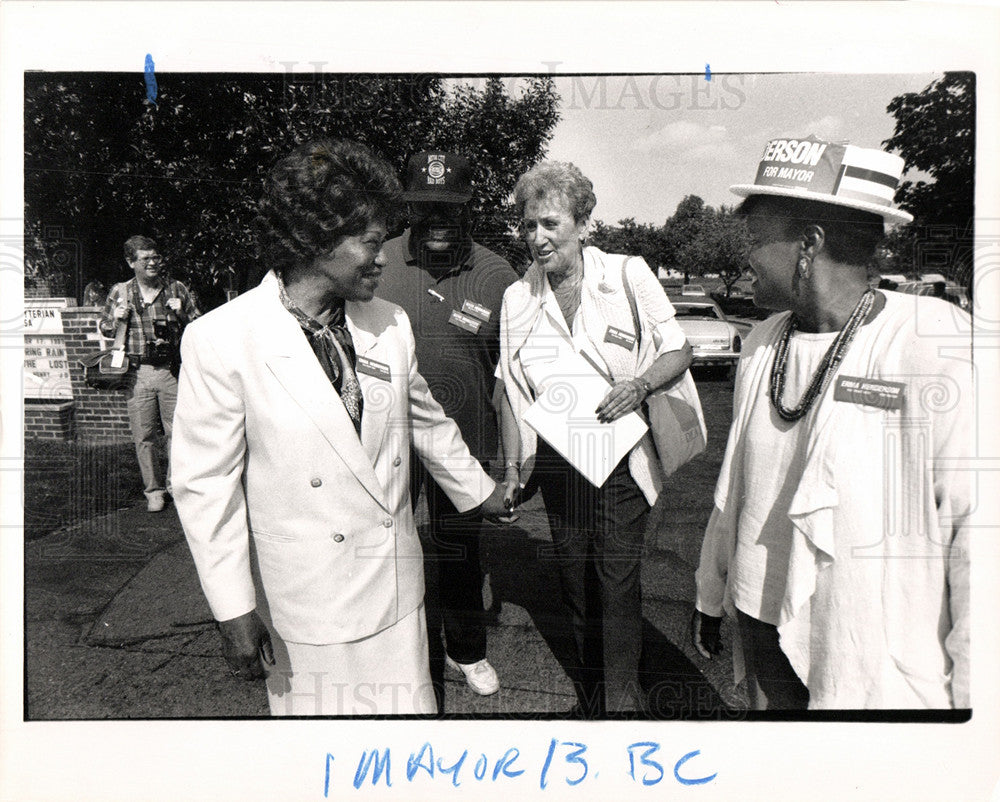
(477, 310)
(869, 392)
(370, 367)
(464, 321)
(620, 337)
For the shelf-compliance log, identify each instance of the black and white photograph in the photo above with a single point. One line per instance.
(500, 421)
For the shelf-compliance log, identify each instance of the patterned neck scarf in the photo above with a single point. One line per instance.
(334, 349)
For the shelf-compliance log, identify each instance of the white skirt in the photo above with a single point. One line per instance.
(385, 674)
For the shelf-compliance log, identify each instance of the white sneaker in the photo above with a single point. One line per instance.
(156, 502)
(480, 676)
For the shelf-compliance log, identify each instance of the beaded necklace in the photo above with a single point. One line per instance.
(831, 360)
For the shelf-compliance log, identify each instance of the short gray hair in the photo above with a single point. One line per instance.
(556, 178)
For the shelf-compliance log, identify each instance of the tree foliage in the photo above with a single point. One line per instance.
(935, 133)
(636, 239)
(696, 239)
(504, 137)
(685, 242)
(727, 245)
(102, 162)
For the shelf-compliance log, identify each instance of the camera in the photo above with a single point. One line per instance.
(161, 348)
(161, 329)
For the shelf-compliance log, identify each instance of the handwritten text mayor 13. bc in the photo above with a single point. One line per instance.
(565, 763)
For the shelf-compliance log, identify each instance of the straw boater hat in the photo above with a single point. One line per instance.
(843, 175)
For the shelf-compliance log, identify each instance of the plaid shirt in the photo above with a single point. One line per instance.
(140, 329)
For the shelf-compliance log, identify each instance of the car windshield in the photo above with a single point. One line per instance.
(692, 310)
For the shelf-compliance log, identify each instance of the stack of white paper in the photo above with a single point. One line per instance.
(564, 415)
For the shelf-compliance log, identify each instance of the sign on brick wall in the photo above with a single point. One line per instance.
(46, 368)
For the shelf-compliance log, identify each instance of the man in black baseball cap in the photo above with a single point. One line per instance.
(438, 191)
(451, 289)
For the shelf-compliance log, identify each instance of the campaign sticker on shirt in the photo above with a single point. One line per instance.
(870, 392)
(464, 321)
(370, 367)
(620, 337)
(477, 310)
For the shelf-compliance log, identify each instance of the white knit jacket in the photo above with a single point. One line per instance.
(603, 303)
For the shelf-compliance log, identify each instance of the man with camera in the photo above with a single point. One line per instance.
(155, 311)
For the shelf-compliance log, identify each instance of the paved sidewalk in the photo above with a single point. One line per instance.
(117, 626)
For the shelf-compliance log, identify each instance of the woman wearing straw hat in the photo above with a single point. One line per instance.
(838, 541)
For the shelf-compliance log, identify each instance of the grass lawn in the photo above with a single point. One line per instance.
(68, 482)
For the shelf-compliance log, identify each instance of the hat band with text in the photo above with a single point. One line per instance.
(815, 167)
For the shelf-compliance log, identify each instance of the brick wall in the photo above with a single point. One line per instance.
(49, 420)
(100, 415)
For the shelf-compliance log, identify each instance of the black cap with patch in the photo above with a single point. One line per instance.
(438, 177)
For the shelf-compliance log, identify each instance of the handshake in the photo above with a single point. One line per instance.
(499, 507)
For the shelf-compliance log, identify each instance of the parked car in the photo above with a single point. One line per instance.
(915, 288)
(891, 278)
(739, 303)
(671, 286)
(714, 339)
(742, 288)
(952, 292)
(693, 289)
(960, 297)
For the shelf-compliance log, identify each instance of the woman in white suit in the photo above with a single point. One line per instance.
(294, 417)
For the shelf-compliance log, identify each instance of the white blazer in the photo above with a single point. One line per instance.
(284, 508)
(603, 303)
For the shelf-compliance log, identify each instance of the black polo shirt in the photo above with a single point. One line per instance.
(455, 314)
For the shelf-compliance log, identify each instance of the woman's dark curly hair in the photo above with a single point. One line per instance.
(320, 192)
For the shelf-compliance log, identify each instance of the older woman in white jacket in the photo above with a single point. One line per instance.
(570, 303)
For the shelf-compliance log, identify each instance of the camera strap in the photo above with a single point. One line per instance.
(141, 307)
(137, 303)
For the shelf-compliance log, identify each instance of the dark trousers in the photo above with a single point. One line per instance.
(454, 548)
(772, 683)
(597, 536)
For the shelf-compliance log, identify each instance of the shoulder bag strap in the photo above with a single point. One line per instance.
(627, 286)
(121, 330)
(170, 291)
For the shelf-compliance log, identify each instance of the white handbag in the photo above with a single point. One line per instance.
(676, 421)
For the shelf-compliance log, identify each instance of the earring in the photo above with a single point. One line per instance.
(803, 267)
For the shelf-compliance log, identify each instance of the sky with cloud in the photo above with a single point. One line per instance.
(646, 141)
